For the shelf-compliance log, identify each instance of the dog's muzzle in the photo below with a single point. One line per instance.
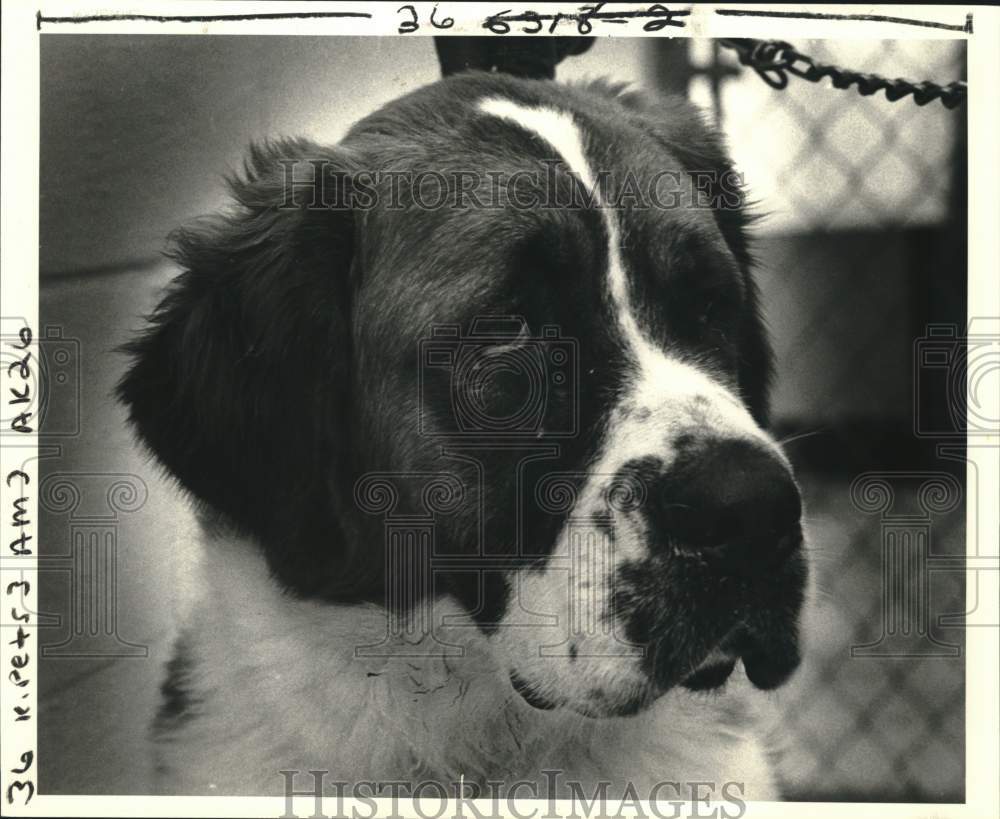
(727, 514)
(708, 571)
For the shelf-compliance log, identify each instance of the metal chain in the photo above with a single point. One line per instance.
(773, 60)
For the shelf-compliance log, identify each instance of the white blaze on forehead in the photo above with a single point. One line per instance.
(559, 129)
(556, 127)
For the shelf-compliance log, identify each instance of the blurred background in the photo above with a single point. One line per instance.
(863, 269)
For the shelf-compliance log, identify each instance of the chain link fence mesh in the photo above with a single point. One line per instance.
(861, 249)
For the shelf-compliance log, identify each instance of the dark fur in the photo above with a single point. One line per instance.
(275, 372)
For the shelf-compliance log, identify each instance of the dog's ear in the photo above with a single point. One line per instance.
(240, 384)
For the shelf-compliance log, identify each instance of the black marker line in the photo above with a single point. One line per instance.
(873, 18)
(600, 16)
(658, 15)
(207, 18)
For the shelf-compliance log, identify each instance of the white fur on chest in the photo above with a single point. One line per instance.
(276, 684)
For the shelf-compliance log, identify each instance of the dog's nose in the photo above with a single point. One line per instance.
(732, 502)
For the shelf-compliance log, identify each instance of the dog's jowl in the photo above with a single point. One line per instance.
(473, 409)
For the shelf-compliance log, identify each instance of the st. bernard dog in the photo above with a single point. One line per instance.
(472, 406)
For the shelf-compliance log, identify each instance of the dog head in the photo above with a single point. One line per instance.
(542, 294)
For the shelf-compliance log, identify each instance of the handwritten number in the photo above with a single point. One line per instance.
(497, 24)
(662, 17)
(22, 365)
(24, 336)
(583, 25)
(447, 22)
(408, 26)
(658, 25)
(532, 17)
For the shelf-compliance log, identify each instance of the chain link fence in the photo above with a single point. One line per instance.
(862, 266)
